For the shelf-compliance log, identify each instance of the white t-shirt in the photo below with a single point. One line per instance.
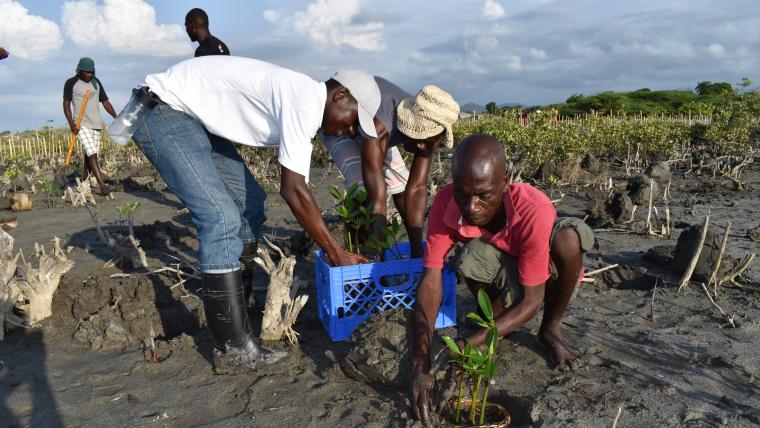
(249, 102)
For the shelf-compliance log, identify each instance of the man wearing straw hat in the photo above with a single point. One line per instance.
(88, 131)
(420, 124)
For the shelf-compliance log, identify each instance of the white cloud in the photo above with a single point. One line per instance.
(717, 50)
(123, 26)
(270, 15)
(27, 36)
(537, 54)
(332, 23)
(492, 10)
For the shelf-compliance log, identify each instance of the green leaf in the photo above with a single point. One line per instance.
(351, 190)
(335, 193)
(478, 320)
(361, 195)
(485, 304)
(489, 369)
(452, 344)
(491, 339)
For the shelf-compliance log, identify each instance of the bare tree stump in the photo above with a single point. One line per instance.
(9, 291)
(127, 249)
(282, 305)
(80, 195)
(21, 201)
(39, 284)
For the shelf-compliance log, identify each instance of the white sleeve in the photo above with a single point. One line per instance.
(300, 118)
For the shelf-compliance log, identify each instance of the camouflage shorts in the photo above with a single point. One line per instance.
(482, 262)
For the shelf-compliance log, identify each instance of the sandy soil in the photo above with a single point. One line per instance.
(87, 364)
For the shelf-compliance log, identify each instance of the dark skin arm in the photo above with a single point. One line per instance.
(427, 303)
(109, 108)
(415, 195)
(296, 192)
(373, 157)
(69, 118)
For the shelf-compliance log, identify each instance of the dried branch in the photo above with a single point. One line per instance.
(731, 277)
(716, 267)
(127, 249)
(727, 316)
(693, 263)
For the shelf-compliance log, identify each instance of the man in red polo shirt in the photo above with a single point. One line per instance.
(514, 248)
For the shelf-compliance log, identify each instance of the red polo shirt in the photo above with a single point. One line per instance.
(530, 218)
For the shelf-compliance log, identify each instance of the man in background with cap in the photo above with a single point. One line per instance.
(420, 124)
(205, 105)
(88, 131)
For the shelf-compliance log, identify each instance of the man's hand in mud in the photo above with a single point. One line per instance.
(420, 395)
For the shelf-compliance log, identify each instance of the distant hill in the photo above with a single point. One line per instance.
(647, 101)
(470, 107)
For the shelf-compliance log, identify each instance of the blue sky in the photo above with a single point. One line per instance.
(527, 51)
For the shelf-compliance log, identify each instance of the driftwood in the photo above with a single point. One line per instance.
(736, 273)
(21, 201)
(729, 317)
(127, 248)
(693, 263)
(79, 195)
(9, 291)
(39, 284)
(282, 305)
(713, 277)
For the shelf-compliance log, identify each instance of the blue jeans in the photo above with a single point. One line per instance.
(227, 205)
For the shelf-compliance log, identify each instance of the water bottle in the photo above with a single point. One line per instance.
(133, 115)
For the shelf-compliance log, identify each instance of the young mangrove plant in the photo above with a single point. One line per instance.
(478, 364)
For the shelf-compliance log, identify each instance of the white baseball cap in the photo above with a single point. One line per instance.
(363, 88)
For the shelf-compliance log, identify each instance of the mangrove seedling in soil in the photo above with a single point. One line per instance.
(478, 364)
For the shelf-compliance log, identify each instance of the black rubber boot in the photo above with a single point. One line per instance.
(246, 268)
(227, 317)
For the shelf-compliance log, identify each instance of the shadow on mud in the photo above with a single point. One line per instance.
(24, 383)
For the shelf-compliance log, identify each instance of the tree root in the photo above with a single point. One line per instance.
(127, 248)
(282, 305)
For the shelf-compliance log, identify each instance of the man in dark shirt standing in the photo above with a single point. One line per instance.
(196, 25)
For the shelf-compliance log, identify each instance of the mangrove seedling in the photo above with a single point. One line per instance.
(388, 239)
(350, 207)
(478, 364)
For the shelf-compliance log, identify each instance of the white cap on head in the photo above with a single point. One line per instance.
(363, 88)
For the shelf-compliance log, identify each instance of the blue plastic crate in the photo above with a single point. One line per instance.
(348, 295)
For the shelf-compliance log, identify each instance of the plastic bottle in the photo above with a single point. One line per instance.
(133, 115)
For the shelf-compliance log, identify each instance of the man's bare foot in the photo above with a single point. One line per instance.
(557, 349)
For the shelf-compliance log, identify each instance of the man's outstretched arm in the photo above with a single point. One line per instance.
(296, 192)
(109, 108)
(426, 306)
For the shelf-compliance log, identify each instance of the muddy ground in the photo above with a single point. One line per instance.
(89, 363)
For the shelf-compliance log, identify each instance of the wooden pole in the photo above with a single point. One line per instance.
(72, 136)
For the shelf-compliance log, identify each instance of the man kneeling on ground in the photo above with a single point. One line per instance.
(514, 248)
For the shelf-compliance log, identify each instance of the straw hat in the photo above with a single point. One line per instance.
(427, 114)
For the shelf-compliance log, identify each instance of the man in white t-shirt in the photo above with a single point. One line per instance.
(206, 104)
